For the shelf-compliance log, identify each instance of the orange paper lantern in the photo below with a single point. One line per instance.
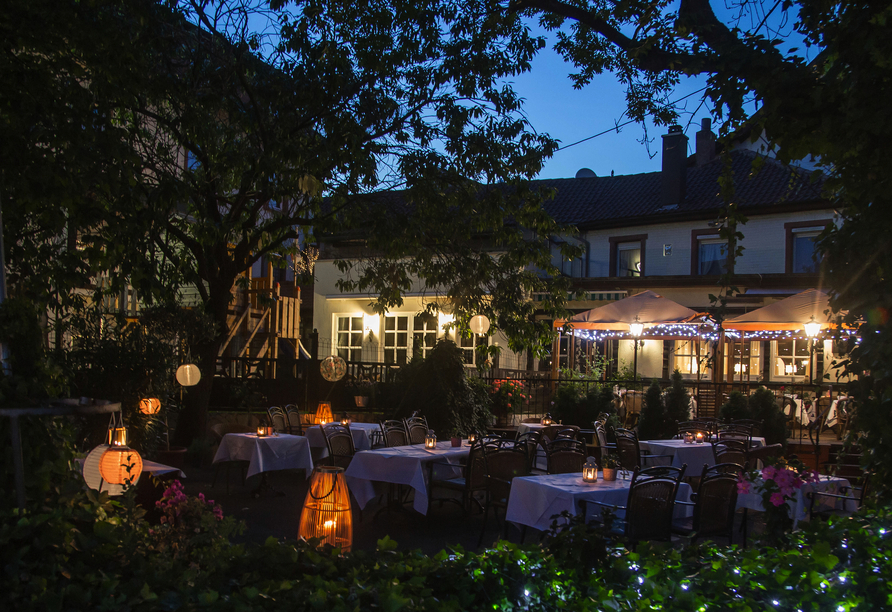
(120, 464)
(150, 405)
(326, 513)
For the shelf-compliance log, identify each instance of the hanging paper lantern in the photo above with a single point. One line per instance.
(150, 405)
(479, 324)
(120, 464)
(333, 368)
(323, 414)
(326, 512)
(188, 375)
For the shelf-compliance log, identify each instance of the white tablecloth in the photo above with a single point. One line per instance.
(266, 454)
(404, 465)
(159, 469)
(361, 438)
(799, 504)
(806, 415)
(694, 455)
(535, 499)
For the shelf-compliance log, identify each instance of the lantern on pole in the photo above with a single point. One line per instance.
(323, 414)
(811, 330)
(326, 512)
(636, 329)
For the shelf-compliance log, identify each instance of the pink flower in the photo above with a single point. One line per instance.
(743, 485)
(777, 499)
(768, 472)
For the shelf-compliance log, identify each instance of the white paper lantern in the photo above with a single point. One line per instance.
(188, 375)
(479, 324)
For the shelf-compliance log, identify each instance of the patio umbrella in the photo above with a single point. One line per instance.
(647, 307)
(789, 314)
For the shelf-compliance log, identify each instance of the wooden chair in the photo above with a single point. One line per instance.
(565, 456)
(277, 419)
(293, 419)
(504, 460)
(339, 442)
(471, 480)
(629, 450)
(569, 432)
(714, 504)
(651, 504)
(730, 451)
(416, 428)
(394, 433)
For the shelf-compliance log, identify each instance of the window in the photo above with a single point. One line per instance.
(468, 346)
(349, 338)
(800, 255)
(746, 360)
(627, 255)
(685, 360)
(791, 358)
(396, 339)
(424, 334)
(709, 253)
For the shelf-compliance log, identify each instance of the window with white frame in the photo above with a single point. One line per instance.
(396, 339)
(791, 358)
(348, 340)
(424, 334)
(468, 347)
(746, 360)
(686, 360)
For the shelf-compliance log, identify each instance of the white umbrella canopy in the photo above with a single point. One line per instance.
(789, 314)
(647, 307)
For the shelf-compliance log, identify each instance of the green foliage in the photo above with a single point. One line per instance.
(438, 386)
(735, 408)
(32, 375)
(760, 406)
(579, 397)
(677, 403)
(652, 424)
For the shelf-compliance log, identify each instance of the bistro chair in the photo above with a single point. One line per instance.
(694, 427)
(550, 432)
(339, 442)
(714, 504)
(569, 432)
(565, 456)
(629, 450)
(651, 504)
(471, 479)
(394, 433)
(531, 440)
(504, 460)
(293, 419)
(730, 451)
(744, 433)
(277, 419)
(416, 428)
(754, 425)
(847, 499)
(755, 456)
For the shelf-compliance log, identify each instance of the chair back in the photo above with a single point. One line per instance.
(569, 432)
(531, 440)
(565, 456)
(550, 432)
(339, 441)
(694, 427)
(754, 425)
(416, 428)
(394, 433)
(730, 451)
(504, 460)
(293, 419)
(277, 419)
(716, 501)
(760, 453)
(744, 433)
(652, 503)
(628, 449)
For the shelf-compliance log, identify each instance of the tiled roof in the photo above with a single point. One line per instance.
(584, 201)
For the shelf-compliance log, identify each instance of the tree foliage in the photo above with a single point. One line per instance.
(813, 77)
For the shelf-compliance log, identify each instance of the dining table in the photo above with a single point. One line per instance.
(694, 455)
(266, 453)
(799, 503)
(536, 500)
(370, 470)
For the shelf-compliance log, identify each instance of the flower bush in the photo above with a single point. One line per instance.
(509, 394)
(188, 522)
(777, 484)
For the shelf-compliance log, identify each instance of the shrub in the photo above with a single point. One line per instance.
(677, 404)
(735, 408)
(652, 423)
(763, 407)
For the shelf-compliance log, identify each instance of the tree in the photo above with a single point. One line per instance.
(826, 98)
(325, 108)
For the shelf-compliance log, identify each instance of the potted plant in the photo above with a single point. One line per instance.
(609, 465)
(361, 390)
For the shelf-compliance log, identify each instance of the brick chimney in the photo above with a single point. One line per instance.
(675, 156)
(705, 143)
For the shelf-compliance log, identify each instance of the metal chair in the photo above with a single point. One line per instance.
(694, 427)
(531, 440)
(852, 498)
(504, 460)
(714, 504)
(293, 418)
(629, 450)
(416, 428)
(565, 456)
(277, 419)
(651, 504)
(339, 442)
(394, 433)
(744, 433)
(761, 453)
(471, 480)
(730, 451)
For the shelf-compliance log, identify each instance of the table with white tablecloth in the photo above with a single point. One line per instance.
(401, 465)
(799, 504)
(534, 500)
(266, 453)
(693, 455)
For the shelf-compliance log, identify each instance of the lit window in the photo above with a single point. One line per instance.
(791, 358)
(396, 339)
(424, 335)
(349, 338)
(468, 346)
(628, 259)
(746, 360)
(685, 357)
